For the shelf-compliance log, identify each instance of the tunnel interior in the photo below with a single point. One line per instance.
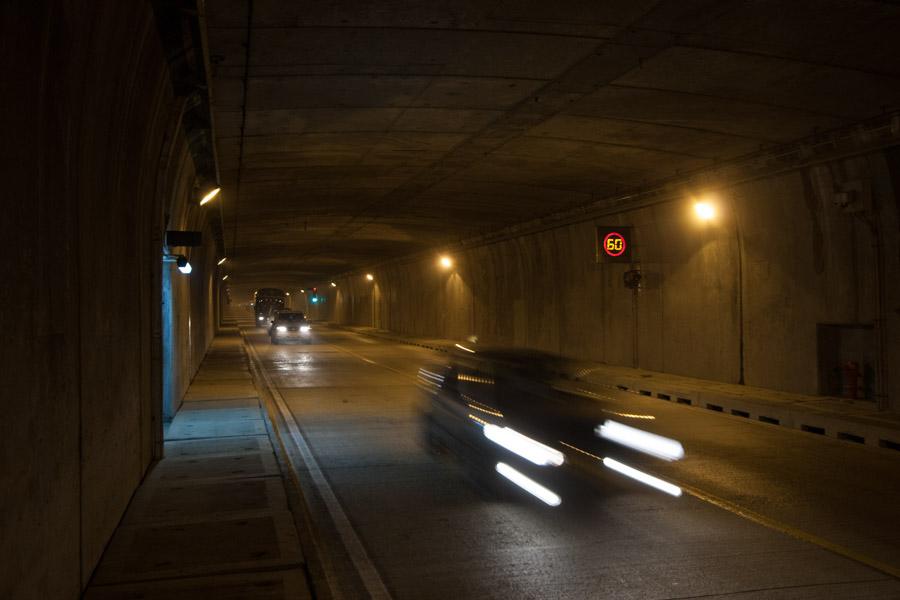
(357, 144)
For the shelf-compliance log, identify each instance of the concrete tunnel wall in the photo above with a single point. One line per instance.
(93, 159)
(795, 259)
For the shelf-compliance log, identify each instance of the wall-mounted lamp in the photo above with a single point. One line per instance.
(224, 258)
(210, 195)
(445, 262)
(705, 211)
(183, 265)
(224, 278)
(370, 277)
(333, 284)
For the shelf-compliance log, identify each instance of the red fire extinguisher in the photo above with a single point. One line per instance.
(850, 379)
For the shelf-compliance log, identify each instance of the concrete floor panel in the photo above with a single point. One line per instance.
(187, 549)
(274, 585)
(195, 500)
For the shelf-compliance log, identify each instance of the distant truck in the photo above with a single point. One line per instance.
(266, 302)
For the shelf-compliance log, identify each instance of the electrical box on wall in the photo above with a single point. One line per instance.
(184, 239)
(614, 244)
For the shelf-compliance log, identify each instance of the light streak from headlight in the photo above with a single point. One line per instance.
(281, 328)
(524, 446)
(304, 328)
(640, 440)
(432, 381)
(529, 485)
(461, 347)
(478, 420)
(585, 452)
(630, 415)
(487, 411)
(654, 482)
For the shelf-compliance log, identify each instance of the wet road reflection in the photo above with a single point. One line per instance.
(436, 530)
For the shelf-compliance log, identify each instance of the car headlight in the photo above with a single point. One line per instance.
(281, 328)
(261, 318)
(304, 328)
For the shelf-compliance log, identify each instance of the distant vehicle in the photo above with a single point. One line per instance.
(500, 414)
(265, 302)
(290, 326)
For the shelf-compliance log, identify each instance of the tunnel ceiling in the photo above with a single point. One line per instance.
(378, 129)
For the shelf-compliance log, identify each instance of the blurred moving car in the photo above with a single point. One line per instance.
(499, 412)
(290, 326)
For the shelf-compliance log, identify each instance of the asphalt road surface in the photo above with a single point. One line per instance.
(427, 532)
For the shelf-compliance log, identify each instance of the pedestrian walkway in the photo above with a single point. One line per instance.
(211, 520)
(856, 421)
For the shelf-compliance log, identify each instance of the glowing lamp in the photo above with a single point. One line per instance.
(210, 195)
(183, 265)
(705, 211)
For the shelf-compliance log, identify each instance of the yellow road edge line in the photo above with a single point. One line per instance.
(768, 522)
(794, 532)
(730, 506)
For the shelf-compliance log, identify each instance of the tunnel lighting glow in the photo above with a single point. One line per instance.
(704, 210)
(281, 328)
(333, 284)
(212, 194)
(461, 347)
(446, 262)
(183, 265)
(370, 277)
(304, 329)
(654, 482)
(224, 278)
(640, 440)
(222, 261)
(529, 449)
(529, 485)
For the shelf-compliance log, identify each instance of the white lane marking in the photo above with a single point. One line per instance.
(367, 572)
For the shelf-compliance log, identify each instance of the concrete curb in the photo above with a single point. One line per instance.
(815, 422)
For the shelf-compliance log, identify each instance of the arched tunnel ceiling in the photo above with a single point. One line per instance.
(378, 129)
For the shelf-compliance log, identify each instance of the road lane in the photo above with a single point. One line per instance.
(431, 535)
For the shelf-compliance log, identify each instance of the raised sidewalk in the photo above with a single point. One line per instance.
(211, 519)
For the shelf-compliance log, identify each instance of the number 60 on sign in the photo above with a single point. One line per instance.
(613, 244)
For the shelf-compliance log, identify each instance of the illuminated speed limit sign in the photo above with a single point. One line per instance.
(613, 244)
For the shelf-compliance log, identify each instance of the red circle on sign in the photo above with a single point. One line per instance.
(615, 236)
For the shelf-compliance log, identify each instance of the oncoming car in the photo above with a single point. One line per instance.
(290, 326)
(501, 414)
